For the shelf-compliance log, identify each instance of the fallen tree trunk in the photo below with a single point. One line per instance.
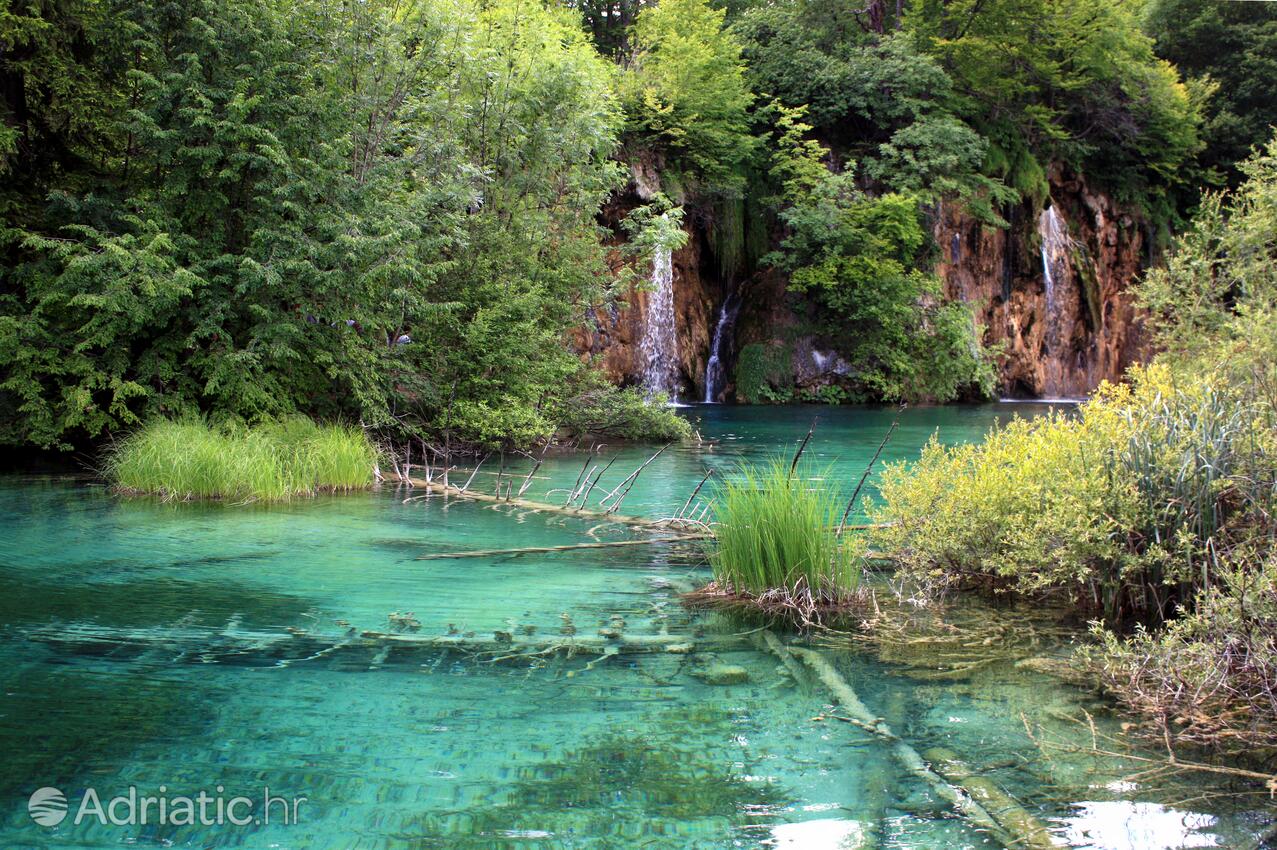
(1010, 834)
(1004, 808)
(544, 507)
(567, 547)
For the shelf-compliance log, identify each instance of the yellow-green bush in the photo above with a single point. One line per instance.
(1114, 505)
(272, 461)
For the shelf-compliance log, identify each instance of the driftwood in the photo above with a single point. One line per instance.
(865, 477)
(567, 547)
(540, 507)
(1010, 834)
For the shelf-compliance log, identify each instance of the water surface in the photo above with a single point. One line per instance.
(413, 749)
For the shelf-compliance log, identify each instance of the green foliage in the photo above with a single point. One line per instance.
(858, 257)
(685, 93)
(1117, 505)
(1075, 82)
(1215, 300)
(882, 100)
(277, 460)
(764, 373)
(600, 409)
(826, 394)
(654, 225)
(773, 530)
(1230, 50)
(380, 213)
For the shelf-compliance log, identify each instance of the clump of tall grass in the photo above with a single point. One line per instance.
(273, 461)
(774, 543)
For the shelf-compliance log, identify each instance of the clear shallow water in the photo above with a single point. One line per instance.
(423, 750)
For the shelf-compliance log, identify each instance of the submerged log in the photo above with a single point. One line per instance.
(963, 801)
(233, 644)
(1006, 809)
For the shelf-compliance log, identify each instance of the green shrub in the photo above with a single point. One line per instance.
(273, 461)
(1116, 505)
(605, 411)
(774, 531)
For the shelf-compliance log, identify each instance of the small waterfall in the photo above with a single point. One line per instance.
(1056, 247)
(714, 368)
(660, 343)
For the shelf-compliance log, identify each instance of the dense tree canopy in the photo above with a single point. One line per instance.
(1232, 49)
(349, 211)
(390, 213)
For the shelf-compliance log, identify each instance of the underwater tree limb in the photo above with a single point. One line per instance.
(960, 798)
(205, 645)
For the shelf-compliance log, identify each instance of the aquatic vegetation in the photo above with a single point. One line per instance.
(273, 461)
(682, 788)
(1209, 677)
(774, 540)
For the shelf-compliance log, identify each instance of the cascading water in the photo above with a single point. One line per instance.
(660, 343)
(1055, 257)
(714, 368)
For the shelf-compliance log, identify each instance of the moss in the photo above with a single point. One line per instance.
(764, 373)
(1089, 287)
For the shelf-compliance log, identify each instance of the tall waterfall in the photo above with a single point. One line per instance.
(1055, 259)
(660, 343)
(714, 368)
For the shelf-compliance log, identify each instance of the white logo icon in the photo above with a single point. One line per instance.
(48, 806)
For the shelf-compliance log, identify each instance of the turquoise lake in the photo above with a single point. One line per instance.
(444, 749)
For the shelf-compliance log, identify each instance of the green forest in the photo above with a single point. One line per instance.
(391, 214)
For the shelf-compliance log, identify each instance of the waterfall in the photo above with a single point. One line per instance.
(1056, 246)
(714, 368)
(660, 343)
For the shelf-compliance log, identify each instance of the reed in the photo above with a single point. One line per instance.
(273, 461)
(773, 532)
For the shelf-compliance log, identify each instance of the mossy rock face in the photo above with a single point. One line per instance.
(723, 674)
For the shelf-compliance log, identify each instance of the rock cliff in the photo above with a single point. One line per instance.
(612, 336)
(1053, 291)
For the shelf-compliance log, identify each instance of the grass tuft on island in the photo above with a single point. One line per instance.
(774, 551)
(276, 460)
